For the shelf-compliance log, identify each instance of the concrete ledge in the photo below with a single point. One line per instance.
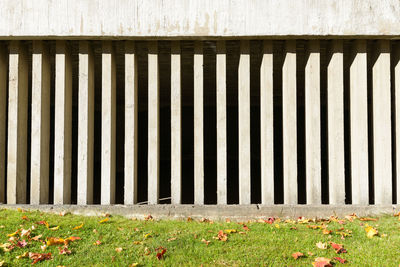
(47, 19)
(215, 212)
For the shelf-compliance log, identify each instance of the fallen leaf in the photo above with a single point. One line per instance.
(43, 248)
(26, 233)
(189, 219)
(230, 231)
(97, 243)
(36, 238)
(326, 231)
(134, 264)
(22, 243)
(277, 226)
(137, 242)
(43, 223)
(78, 227)
(161, 252)
(147, 251)
(52, 241)
(25, 218)
(245, 227)
(148, 218)
(36, 257)
(118, 250)
(205, 241)
(104, 220)
(64, 251)
(322, 262)
(171, 239)
(13, 234)
(55, 228)
(148, 235)
(7, 247)
(371, 231)
(338, 248)
(321, 245)
(222, 236)
(340, 260)
(366, 219)
(297, 255)
(25, 255)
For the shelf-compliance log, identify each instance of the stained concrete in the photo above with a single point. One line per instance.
(215, 212)
(198, 18)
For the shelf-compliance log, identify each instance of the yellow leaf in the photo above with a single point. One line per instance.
(137, 242)
(277, 226)
(55, 228)
(147, 235)
(326, 231)
(230, 231)
(13, 234)
(25, 255)
(371, 231)
(104, 220)
(78, 227)
(134, 264)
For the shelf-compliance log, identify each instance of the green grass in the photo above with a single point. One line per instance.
(262, 244)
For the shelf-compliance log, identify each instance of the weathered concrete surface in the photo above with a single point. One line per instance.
(215, 212)
(197, 18)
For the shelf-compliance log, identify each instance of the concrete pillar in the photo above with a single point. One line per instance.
(289, 116)
(313, 123)
(63, 124)
(336, 124)
(3, 120)
(153, 164)
(108, 124)
(40, 135)
(17, 124)
(198, 124)
(131, 123)
(267, 124)
(244, 124)
(85, 123)
(382, 124)
(359, 124)
(222, 161)
(176, 123)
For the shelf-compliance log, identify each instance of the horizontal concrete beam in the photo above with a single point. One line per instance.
(215, 212)
(197, 18)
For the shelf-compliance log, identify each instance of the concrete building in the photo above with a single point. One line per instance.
(200, 102)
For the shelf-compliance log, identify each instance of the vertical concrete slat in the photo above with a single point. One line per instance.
(382, 124)
(176, 124)
(244, 123)
(3, 120)
(17, 124)
(131, 124)
(108, 123)
(267, 124)
(336, 124)
(313, 123)
(62, 124)
(396, 54)
(198, 124)
(153, 164)
(85, 123)
(40, 134)
(289, 120)
(359, 124)
(222, 163)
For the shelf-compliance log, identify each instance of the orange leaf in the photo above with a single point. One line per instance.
(366, 219)
(222, 236)
(36, 238)
(297, 255)
(118, 250)
(322, 262)
(245, 227)
(25, 218)
(326, 231)
(338, 248)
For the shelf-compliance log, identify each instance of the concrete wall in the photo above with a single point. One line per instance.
(198, 18)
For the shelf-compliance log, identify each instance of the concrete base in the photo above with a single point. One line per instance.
(215, 212)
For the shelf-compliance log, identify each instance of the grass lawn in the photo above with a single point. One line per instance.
(121, 242)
